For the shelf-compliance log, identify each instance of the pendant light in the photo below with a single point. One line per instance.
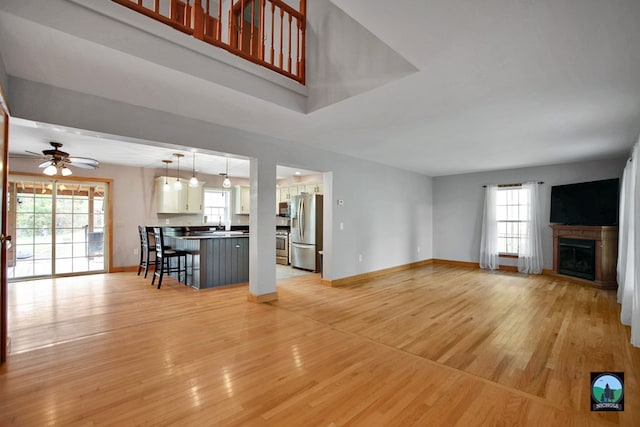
(178, 184)
(193, 182)
(165, 187)
(227, 182)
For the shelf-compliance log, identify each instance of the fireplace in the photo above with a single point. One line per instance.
(577, 257)
(588, 253)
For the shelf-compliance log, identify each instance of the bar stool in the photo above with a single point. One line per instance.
(164, 257)
(146, 249)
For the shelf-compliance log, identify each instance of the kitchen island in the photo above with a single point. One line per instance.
(217, 258)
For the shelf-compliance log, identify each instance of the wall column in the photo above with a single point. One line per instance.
(262, 227)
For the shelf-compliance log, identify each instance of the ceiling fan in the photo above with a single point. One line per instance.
(58, 161)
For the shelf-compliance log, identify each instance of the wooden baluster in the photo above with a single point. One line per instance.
(281, 35)
(232, 33)
(289, 59)
(195, 17)
(261, 30)
(198, 20)
(207, 18)
(253, 8)
(241, 43)
(273, 14)
(219, 30)
(298, 27)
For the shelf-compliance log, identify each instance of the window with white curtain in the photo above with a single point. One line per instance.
(512, 212)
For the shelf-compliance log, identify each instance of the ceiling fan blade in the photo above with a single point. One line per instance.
(44, 164)
(33, 153)
(84, 160)
(83, 165)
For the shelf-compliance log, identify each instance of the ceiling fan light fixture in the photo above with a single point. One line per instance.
(50, 170)
(58, 160)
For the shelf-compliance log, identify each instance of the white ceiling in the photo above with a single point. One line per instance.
(500, 84)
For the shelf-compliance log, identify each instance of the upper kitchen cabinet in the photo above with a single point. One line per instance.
(310, 188)
(284, 194)
(287, 192)
(243, 199)
(187, 200)
(194, 198)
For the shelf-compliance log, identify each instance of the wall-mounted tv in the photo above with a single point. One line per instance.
(586, 203)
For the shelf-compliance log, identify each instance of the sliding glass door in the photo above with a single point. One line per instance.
(59, 227)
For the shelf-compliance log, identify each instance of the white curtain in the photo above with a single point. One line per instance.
(530, 245)
(628, 269)
(489, 241)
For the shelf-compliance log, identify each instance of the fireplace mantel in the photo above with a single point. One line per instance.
(606, 239)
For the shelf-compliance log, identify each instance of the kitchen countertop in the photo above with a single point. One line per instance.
(212, 235)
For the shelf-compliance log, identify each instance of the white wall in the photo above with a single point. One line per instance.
(458, 203)
(387, 212)
(337, 67)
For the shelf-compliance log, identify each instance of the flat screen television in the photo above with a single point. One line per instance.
(586, 203)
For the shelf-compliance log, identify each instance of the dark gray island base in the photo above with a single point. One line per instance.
(218, 259)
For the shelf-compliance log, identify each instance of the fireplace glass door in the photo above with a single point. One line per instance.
(577, 258)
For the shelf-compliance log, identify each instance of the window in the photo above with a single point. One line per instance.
(512, 215)
(216, 206)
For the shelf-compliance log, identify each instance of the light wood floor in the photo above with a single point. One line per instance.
(434, 346)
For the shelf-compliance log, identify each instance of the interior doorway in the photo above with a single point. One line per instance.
(58, 227)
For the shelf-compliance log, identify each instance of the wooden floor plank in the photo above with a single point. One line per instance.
(434, 345)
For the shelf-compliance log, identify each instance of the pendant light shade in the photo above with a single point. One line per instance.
(226, 183)
(178, 184)
(193, 182)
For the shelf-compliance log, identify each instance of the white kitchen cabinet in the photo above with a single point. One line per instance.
(284, 194)
(169, 198)
(243, 199)
(194, 198)
(187, 200)
(312, 188)
(294, 190)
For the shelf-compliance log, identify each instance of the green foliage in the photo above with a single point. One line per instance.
(598, 392)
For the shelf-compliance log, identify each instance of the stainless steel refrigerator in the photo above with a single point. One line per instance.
(306, 231)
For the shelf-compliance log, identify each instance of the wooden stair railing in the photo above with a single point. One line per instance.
(269, 33)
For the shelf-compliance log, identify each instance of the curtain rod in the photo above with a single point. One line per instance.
(511, 185)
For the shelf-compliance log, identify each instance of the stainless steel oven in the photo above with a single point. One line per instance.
(282, 247)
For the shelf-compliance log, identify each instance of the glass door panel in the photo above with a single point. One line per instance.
(59, 227)
(32, 230)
